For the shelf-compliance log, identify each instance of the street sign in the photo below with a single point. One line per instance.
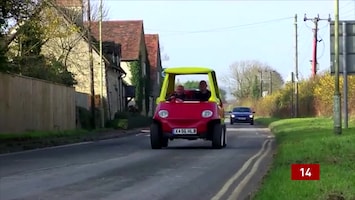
(350, 47)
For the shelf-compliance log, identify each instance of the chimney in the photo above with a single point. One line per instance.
(73, 9)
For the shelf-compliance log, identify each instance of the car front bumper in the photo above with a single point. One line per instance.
(242, 119)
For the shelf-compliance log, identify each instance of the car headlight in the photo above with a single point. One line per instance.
(251, 116)
(233, 115)
(163, 113)
(207, 113)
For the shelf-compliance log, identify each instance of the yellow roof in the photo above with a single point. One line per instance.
(188, 70)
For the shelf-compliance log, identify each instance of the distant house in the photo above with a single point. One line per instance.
(68, 41)
(130, 34)
(153, 48)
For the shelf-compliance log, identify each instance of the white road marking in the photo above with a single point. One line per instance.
(46, 148)
(236, 192)
(229, 183)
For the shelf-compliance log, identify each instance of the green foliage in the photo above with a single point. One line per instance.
(147, 87)
(126, 120)
(256, 93)
(137, 81)
(223, 94)
(42, 68)
(27, 59)
(311, 140)
(84, 117)
(15, 10)
(315, 98)
(191, 84)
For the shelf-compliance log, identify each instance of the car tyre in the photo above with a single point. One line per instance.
(231, 122)
(224, 136)
(252, 122)
(218, 136)
(155, 137)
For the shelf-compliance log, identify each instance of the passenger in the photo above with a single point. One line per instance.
(204, 94)
(178, 94)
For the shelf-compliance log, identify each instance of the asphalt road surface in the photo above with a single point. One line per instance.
(127, 169)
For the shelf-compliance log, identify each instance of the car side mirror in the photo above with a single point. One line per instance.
(229, 111)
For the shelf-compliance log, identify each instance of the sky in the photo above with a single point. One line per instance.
(216, 34)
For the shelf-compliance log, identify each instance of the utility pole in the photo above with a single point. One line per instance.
(292, 96)
(337, 100)
(315, 41)
(261, 83)
(101, 70)
(345, 77)
(296, 67)
(91, 65)
(271, 72)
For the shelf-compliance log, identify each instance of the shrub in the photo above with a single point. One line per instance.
(127, 120)
(315, 97)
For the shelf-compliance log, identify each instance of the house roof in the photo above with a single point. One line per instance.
(127, 33)
(152, 44)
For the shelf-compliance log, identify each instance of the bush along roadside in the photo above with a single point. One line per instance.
(41, 139)
(128, 120)
(310, 141)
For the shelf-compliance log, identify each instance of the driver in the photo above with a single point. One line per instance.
(178, 94)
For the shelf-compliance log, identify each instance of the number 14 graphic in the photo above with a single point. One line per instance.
(305, 172)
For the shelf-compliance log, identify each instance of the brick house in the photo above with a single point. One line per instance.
(153, 48)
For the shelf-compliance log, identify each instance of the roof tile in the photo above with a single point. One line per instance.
(127, 33)
(152, 44)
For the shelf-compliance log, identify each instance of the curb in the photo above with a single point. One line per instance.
(93, 140)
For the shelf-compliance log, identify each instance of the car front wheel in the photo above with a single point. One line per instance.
(155, 137)
(218, 136)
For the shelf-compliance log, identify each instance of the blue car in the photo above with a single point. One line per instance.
(242, 115)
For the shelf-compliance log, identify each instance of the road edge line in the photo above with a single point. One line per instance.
(230, 181)
(236, 192)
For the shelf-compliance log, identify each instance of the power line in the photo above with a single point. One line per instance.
(218, 29)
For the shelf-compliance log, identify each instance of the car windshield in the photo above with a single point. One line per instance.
(241, 109)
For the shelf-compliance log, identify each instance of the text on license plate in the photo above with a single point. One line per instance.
(178, 131)
(242, 118)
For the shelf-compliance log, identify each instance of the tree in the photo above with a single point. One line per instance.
(223, 94)
(242, 79)
(12, 12)
(191, 84)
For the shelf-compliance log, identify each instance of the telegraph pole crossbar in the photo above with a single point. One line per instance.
(315, 40)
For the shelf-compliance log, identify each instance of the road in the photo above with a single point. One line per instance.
(127, 169)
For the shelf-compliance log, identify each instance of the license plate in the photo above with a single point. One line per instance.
(242, 118)
(182, 131)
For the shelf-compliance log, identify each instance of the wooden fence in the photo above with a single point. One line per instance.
(28, 104)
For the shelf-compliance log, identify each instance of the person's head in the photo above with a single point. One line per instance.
(180, 89)
(203, 86)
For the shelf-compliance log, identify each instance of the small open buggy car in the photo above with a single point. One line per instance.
(189, 118)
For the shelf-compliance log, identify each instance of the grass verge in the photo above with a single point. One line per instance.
(310, 140)
(40, 139)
